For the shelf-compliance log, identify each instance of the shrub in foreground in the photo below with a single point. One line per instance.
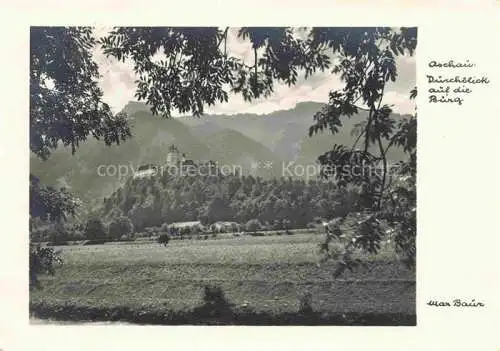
(163, 239)
(305, 304)
(215, 303)
(42, 261)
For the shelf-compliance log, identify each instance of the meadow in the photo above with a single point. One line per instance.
(265, 274)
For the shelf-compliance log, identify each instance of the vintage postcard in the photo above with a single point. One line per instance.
(301, 167)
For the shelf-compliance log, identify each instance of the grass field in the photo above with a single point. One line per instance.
(265, 273)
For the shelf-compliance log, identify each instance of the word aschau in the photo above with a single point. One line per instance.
(451, 64)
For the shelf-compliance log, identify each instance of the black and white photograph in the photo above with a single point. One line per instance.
(222, 176)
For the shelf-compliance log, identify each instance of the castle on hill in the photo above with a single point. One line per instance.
(174, 159)
(174, 156)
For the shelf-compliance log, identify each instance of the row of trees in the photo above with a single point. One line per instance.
(122, 229)
(94, 229)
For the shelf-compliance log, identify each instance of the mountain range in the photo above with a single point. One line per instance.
(246, 140)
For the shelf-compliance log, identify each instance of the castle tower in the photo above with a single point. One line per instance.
(173, 156)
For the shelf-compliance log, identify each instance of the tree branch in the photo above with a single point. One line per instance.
(223, 37)
(382, 153)
(357, 139)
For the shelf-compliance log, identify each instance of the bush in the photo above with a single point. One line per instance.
(42, 261)
(257, 234)
(305, 304)
(163, 239)
(253, 225)
(119, 227)
(95, 230)
(57, 233)
(215, 302)
(77, 236)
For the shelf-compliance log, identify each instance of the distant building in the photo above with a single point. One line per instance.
(174, 158)
(146, 171)
(185, 228)
(180, 225)
(225, 227)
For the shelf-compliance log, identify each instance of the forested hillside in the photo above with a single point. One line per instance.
(165, 198)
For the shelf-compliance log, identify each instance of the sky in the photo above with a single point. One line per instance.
(117, 83)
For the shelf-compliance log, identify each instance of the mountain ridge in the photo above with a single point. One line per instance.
(229, 139)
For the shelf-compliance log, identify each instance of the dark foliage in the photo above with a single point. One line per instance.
(119, 227)
(42, 260)
(95, 230)
(198, 316)
(305, 304)
(215, 304)
(65, 106)
(283, 203)
(65, 99)
(48, 203)
(163, 239)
